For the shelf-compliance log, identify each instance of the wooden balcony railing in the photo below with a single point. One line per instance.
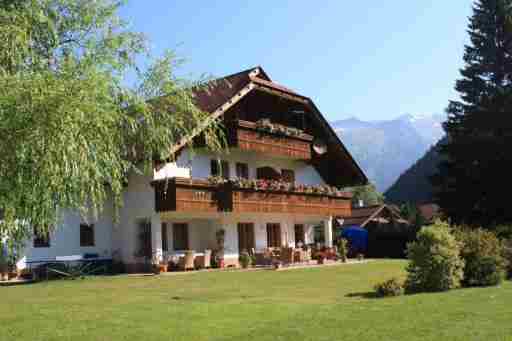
(192, 195)
(246, 136)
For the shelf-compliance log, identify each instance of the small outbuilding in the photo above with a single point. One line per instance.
(382, 227)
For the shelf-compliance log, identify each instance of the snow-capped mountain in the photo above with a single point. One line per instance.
(384, 149)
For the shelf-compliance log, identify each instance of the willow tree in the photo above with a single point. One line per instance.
(71, 129)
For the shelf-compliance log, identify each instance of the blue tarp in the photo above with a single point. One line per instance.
(357, 238)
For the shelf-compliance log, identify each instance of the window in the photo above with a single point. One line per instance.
(273, 235)
(86, 235)
(299, 234)
(245, 237)
(288, 175)
(267, 173)
(242, 170)
(145, 248)
(41, 239)
(165, 242)
(180, 236)
(219, 168)
(319, 234)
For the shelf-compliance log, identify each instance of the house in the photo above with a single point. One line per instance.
(276, 138)
(429, 212)
(386, 232)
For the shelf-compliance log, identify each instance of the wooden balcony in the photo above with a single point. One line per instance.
(187, 195)
(250, 201)
(246, 136)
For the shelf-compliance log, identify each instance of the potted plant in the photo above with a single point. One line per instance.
(245, 259)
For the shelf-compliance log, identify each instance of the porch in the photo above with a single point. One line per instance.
(200, 242)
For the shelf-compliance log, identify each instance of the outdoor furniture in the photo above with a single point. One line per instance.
(203, 261)
(187, 261)
(287, 255)
(263, 257)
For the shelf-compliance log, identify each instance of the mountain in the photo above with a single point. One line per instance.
(414, 185)
(385, 149)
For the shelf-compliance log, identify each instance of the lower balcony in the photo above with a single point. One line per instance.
(193, 195)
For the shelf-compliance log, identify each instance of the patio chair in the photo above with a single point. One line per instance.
(187, 262)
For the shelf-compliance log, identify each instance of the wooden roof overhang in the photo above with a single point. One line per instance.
(337, 167)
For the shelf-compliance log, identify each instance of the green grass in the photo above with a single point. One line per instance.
(329, 303)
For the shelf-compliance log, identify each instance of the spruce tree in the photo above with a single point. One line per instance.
(474, 177)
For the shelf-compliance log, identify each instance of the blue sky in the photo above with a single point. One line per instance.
(370, 59)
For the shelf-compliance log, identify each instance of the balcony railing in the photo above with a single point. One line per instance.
(192, 195)
(246, 136)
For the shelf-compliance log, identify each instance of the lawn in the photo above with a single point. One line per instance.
(329, 303)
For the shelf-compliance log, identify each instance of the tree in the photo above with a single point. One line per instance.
(368, 194)
(71, 128)
(472, 178)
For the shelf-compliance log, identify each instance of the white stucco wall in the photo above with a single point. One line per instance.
(199, 164)
(65, 239)
(139, 205)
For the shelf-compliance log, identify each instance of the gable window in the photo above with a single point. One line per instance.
(86, 235)
(273, 235)
(180, 236)
(165, 242)
(288, 175)
(41, 239)
(242, 170)
(219, 168)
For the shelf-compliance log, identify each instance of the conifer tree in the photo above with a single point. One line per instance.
(474, 177)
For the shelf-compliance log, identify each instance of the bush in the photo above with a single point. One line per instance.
(482, 253)
(389, 288)
(343, 249)
(245, 260)
(507, 255)
(435, 263)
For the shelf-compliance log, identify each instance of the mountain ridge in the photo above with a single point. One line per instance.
(386, 148)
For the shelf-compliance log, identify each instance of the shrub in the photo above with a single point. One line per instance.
(343, 249)
(389, 288)
(507, 255)
(435, 263)
(482, 253)
(245, 260)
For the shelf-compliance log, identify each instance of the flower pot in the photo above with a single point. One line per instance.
(163, 268)
(221, 263)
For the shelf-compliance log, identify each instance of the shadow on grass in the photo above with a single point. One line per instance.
(368, 294)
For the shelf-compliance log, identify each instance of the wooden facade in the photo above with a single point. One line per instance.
(246, 136)
(192, 195)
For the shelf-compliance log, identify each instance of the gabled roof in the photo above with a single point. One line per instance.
(363, 215)
(221, 94)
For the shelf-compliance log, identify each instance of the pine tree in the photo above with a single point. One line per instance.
(472, 183)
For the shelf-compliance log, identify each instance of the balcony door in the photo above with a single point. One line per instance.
(246, 237)
(273, 235)
(299, 234)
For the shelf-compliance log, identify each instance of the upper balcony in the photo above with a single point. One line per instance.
(269, 138)
(248, 196)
